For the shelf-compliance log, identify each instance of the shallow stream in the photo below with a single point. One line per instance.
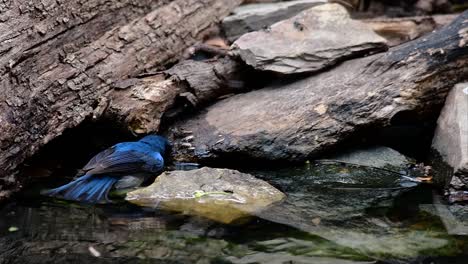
(332, 214)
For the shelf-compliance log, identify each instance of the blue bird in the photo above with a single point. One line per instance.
(124, 165)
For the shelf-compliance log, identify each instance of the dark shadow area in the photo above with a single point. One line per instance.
(407, 133)
(61, 158)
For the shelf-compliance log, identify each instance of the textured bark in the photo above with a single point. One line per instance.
(59, 60)
(304, 119)
(139, 104)
(209, 80)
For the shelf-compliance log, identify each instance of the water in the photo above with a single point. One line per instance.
(333, 214)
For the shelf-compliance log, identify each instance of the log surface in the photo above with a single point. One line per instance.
(140, 104)
(60, 59)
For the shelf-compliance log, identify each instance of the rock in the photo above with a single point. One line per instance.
(252, 17)
(377, 156)
(222, 195)
(296, 121)
(454, 216)
(290, 258)
(354, 207)
(310, 41)
(451, 135)
(349, 189)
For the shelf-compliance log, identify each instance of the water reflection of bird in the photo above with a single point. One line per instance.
(124, 165)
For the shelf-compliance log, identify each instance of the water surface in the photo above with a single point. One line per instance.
(332, 214)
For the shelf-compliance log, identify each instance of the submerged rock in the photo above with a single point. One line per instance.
(358, 207)
(310, 41)
(451, 138)
(252, 17)
(453, 216)
(218, 194)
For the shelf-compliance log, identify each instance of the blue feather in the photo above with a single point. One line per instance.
(87, 188)
(139, 159)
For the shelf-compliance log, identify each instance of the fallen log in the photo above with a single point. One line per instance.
(140, 104)
(59, 62)
(301, 120)
(403, 29)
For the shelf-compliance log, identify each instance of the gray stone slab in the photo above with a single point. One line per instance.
(314, 39)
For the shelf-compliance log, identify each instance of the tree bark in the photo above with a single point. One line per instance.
(403, 29)
(139, 104)
(59, 59)
(301, 120)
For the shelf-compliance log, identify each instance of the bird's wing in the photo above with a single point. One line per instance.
(114, 161)
(98, 157)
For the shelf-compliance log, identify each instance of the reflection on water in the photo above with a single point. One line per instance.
(333, 214)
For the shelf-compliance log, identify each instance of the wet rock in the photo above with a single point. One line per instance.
(312, 40)
(349, 189)
(358, 207)
(450, 139)
(377, 156)
(222, 195)
(290, 258)
(454, 216)
(252, 17)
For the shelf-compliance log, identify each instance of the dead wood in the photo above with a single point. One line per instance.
(140, 104)
(59, 60)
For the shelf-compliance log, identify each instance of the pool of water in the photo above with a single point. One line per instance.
(328, 217)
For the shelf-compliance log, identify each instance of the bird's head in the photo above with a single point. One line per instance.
(158, 143)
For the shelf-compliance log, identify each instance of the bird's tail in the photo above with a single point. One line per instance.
(88, 188)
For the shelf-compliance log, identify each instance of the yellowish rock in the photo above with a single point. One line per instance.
(223, 195)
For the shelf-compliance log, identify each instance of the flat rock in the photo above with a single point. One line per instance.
(451, 135)
(375, 156)
(222, 195)
(310, 41)
(252, 17)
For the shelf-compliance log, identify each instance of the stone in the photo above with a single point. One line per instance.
(350, 202)
(314, 39)
(222, 195)
(451, 135)
(375, 156)
(256, 16)
(453, 216)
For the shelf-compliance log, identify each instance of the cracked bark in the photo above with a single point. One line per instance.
(139, 104)
(59, 59)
